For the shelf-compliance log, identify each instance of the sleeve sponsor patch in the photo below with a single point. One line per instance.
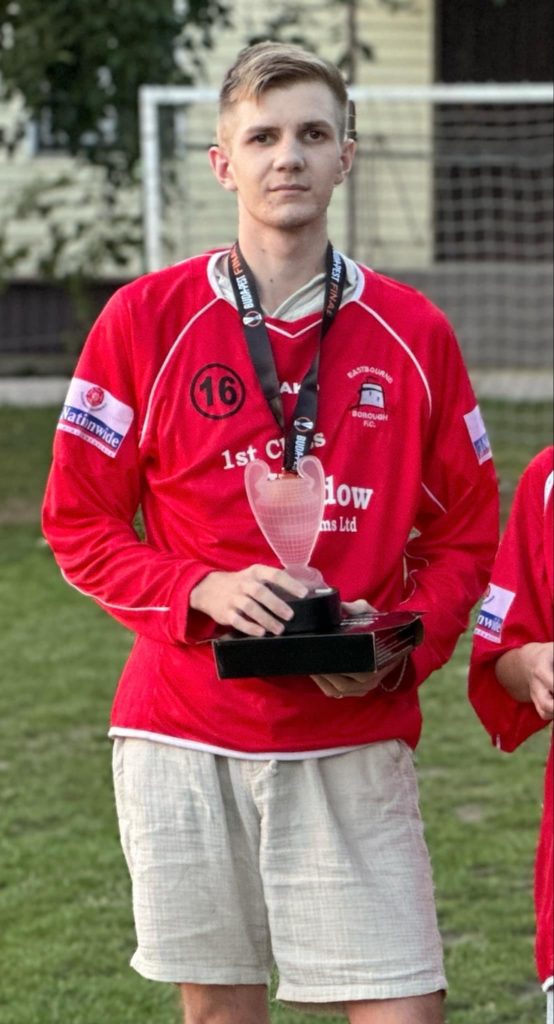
(478, 434)
(494, 609)
(93, 414)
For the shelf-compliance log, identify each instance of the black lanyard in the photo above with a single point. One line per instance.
(298, 440)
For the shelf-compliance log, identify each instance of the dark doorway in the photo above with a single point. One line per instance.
(494, 40)
(493, 163)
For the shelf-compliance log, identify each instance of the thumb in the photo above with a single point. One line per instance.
(359, 607)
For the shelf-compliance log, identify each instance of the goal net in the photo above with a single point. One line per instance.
(452, 193)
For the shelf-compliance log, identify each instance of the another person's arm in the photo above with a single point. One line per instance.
(511, 668)
(527, 674)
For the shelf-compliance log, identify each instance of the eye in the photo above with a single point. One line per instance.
(315, 134)
(262, 138)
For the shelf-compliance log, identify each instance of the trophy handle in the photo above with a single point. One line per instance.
(310, 466)
(256, 477)
(255, 472)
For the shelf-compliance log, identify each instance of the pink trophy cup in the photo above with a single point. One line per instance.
(289, 509)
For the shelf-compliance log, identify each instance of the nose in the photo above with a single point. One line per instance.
(289, 154)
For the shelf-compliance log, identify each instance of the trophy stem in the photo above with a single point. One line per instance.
(306, 574)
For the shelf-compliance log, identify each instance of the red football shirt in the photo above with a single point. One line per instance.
(164, 413)
(518, 609)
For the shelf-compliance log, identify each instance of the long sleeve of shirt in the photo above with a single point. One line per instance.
(94, 492)
(450, 552)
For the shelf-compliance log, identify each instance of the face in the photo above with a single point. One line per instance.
(282, 155)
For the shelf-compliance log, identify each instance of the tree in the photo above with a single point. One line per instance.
(77, 67)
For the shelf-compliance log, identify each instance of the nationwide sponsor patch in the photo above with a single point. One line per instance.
(478, 434)
(494, 609)
(95, 415)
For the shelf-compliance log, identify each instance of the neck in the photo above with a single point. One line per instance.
(281, 266)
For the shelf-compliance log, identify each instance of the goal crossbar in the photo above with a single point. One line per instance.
(152, 97)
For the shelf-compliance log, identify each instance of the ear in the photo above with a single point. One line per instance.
(221, 166)
(346, 159)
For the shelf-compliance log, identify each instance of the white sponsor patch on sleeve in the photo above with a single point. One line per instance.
(95, 415)
(478, 434)
(494, 609)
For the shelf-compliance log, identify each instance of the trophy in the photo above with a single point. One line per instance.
(318, 639)
(289, 509)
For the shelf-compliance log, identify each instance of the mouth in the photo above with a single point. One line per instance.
(289, 188)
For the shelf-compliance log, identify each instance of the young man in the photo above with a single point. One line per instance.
(264, 820)
(511, 681)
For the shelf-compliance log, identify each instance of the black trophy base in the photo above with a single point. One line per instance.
(362, 643)
(320, 610)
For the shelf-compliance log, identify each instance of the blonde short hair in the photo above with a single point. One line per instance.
(270, 65)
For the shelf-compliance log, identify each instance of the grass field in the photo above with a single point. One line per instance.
(66, 931)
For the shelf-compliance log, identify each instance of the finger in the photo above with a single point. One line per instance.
(359, 607)
(358, 690)
(271, 589)
(545, 706)
(288, 583)
(245, 625)
(338, 687)
(352, 683)
(328, 689)
(252, 618)
(364, 678)
(260, 623)
(260, 599)
(335, 681)
(279, 578)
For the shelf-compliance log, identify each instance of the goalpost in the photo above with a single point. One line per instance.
(452, 193)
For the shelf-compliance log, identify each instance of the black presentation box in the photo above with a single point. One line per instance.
(361, 643)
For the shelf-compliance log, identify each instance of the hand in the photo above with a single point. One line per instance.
(244, 601)
(539, 662)
(527, 673)
(356, 684)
